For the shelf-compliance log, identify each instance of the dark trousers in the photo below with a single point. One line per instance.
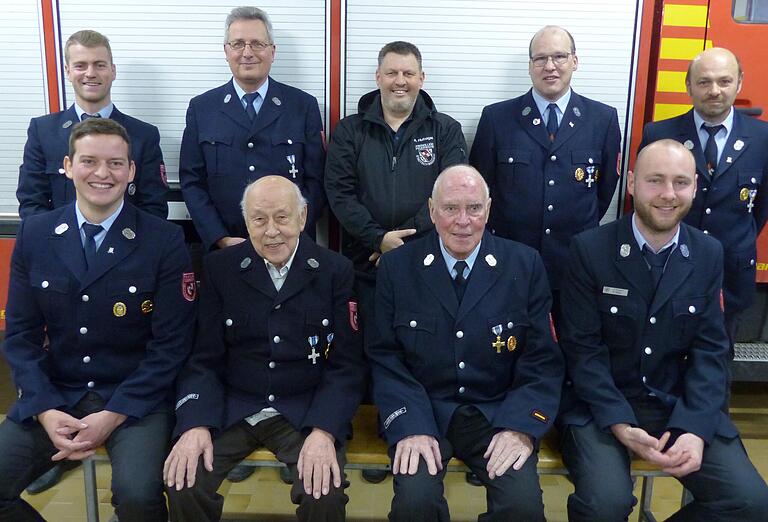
(201, 502)
(727, 488)
(516, 495)
(136, 449)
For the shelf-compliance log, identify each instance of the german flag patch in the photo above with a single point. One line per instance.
(536, 414)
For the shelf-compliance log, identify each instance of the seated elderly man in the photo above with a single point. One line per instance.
(647, 350)
(277, 363)
(465, 364)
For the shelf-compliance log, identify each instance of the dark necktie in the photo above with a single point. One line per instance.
(710, 150)
(552, 121)
(459, 283)
(85, 116)
(656, 262)
(250, 110)
(90, 243)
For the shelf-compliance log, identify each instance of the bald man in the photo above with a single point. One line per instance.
(647, 352)
(549, 156)
(277, 364)
(473, 374)
(731, 152)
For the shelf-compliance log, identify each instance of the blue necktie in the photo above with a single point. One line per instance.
(85, 116)
(90, 243)
(552, 121)
(657, 262)
(459, 283)
(710, 150)
(250, 110)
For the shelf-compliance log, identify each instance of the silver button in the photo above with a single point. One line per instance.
(326, 322)
(459, 334)
(614, 310)
(271, 398)
(91, 384)
(510, 160)
(692, 309)
(251, 168)
(708, 211)
(290, 142)
(276, 339)
(753, 180)
(643, 378)
(591, 161)
(510, 325)
(553, 157)
(83, 330)
(228, 322)
(547, 231)
(462, 365)
(62, 171)
(648, 350)
(652, 320)
(85, 298)
(550, 208)
(272, 364)
(751, 262)
(87, 359)
(706, 231)
(277, 307)
(45, 284)
(413, 324)
(705, 189)
(551, 182)
(132, 289)
(250, 145)
(461, 389)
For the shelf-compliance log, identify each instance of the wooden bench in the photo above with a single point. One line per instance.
(367, 451)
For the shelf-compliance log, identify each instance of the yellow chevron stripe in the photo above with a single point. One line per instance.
(685, 15)
(663, 111)
(681, 48)
(671, 81)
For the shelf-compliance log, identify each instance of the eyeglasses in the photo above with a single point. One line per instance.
(256, 46)
(557, 59)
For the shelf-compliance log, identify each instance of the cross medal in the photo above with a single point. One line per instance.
(314, 355)
(292, 160)
(590, 176)
(498, 344)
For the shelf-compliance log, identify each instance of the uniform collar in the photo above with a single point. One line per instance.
(450, 261)
(106, 224)
(542, 103)
(261, 90)
(104, 112)
(727, 123)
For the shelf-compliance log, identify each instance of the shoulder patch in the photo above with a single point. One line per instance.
(188, 286)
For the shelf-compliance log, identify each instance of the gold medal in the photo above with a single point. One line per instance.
(118, 309)
(597, 174)
(147, 306)
(579, 174)
(744, 194)
(511, 343)
(498, 344)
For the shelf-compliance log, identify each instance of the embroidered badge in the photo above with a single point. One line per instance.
(188, 286)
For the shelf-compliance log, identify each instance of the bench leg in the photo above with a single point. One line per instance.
(91, 495)
(646, 515)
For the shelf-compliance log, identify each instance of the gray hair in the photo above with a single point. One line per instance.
(470, 169)
(401, 48)
(248, 13)
(300, 199)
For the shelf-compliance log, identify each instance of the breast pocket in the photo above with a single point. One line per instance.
(53, 293)
(687, 313)
(749, 181)
(617, 319)
(235, 324)
(132, 300)
(62, 190)
(512, 167)
(318, 332)
(507, 334)
(288, 155)
(218, 153)
(416, 332)
(586, 169)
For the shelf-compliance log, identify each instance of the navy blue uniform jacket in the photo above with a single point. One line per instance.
(621, 339)
(433, 355)
(43, 185)
(222, 151)
(122, 328)
(253, 345)
(722, 206)
(546, 192)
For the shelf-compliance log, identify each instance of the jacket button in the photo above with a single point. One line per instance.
(510, 160)
(461, 389)
(413, 324)
(326, 322)
(272, 364)
(462, 365)
(251, 168)
(547, 231)
(83, 330)
(91, 384)
(85, 298)
(553, 157)
(132, 289)
(705, 231)
(652, 320)
(87, 359)
(550, 208)
(692, 309)
(276, 339)
(459, 334)
(751, 262)
(551, 182)
(271, 398)
(614, 310)
(250, 145)
(45, 284)
(648, 350)
(510, 325)
(290, 142)
(228, 322)
(644, 379)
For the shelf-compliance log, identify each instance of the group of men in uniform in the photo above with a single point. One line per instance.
(448, 299)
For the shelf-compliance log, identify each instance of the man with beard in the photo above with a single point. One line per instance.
(731, 152)
(646, 349)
